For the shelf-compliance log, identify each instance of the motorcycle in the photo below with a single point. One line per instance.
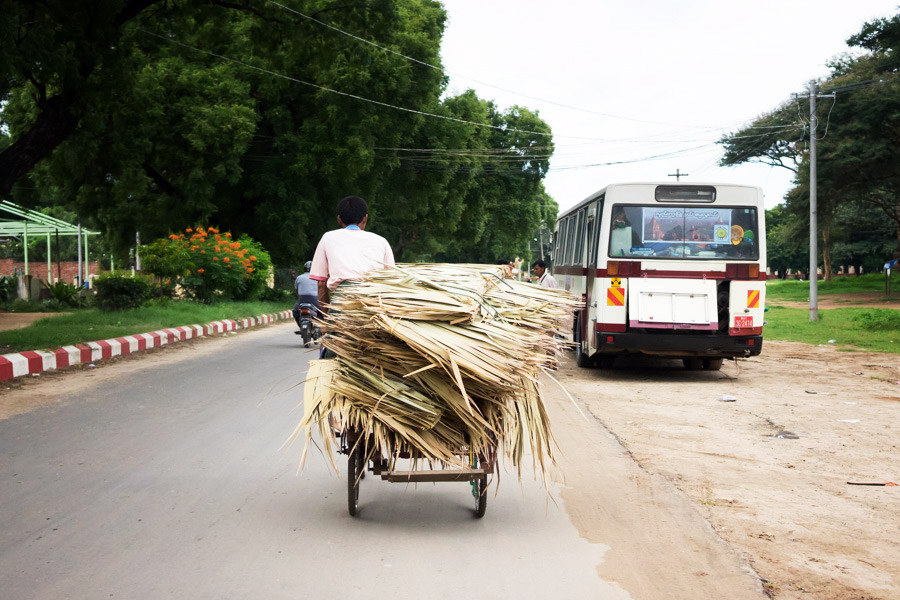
(308, 329)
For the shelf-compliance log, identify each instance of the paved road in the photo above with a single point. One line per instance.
(168, 482)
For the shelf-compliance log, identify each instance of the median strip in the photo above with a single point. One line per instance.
(30, 362)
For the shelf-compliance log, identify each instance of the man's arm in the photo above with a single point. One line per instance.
(324, 296)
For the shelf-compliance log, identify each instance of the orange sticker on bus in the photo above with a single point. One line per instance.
(615, 296)
(752, 298)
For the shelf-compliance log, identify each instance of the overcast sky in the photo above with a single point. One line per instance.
(695, 69)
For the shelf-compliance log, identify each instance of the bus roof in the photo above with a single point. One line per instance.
(611, 186)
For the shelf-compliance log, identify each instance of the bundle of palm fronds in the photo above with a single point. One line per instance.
(434, 358)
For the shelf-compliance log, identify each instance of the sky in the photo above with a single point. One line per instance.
(671, 77)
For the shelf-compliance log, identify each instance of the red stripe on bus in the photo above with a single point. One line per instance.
(653, 274)
(611, 327)
(745, 331)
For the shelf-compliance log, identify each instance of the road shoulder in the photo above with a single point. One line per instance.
(660, 545)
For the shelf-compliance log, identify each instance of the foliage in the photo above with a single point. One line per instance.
(878, 320)
(92, 324)
(66, 294)
(857, 141)
(209, 265)
(9, 285)
(119, 291)
(276, 294)
(117, 110)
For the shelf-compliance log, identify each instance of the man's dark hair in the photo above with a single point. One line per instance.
(539, 263)
(352, 210)
(503, 262)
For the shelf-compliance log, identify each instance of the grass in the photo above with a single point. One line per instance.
(89, 325)
(876, 329)
(779, 289)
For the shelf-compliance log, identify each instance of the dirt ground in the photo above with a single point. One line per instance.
(10, 320)
(769, 470)
(855, 299)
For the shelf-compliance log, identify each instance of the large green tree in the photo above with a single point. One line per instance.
(152, 116)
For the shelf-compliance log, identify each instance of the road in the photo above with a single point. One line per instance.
(163, 477)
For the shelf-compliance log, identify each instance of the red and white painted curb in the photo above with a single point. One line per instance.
(37, 361)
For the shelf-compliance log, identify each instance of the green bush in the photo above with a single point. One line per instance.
(209, 265)
(65, 294)
(276, 295)
(120, 292)
(878, 320)
(9, 285)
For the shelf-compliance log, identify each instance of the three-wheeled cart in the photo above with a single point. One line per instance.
(357, 464)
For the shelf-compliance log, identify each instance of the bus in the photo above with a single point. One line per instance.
(665, 269)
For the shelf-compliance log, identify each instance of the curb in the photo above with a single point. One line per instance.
(18, 364)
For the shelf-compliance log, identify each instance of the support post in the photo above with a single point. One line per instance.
(87, 261)
(58, 258)
(25, 237)
(813, 216)
(78, 279)
(49, 262)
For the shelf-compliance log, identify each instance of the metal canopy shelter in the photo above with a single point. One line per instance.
(33, 223)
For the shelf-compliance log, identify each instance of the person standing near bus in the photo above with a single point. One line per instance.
(545, 279)
(347, 253)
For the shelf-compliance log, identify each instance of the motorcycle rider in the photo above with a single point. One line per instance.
(307, 293)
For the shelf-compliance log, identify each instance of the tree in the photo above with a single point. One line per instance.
(858, 160)
(159, 116)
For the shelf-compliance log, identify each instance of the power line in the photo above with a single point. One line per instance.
(347, 94)
(440, 69)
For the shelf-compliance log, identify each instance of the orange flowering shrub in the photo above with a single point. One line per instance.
(192, 260)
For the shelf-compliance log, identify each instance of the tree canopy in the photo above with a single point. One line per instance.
(153, 116)
(858, 141)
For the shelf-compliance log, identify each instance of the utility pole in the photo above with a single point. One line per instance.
(678, 174)
(813, 203)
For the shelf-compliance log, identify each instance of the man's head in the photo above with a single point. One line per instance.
(308, 266)
(353, 210)
(540, 267)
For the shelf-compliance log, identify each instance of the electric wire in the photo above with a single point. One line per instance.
(446, 72)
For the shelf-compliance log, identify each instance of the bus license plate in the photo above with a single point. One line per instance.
(743, 322)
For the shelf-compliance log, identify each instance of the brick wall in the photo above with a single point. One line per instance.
(38, 269)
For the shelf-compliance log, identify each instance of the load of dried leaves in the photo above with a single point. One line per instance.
(435, 358)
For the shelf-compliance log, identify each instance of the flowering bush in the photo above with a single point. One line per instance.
(209, 265)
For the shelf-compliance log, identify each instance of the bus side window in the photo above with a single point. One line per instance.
(594, 241)
(578, 248)
(563, 241)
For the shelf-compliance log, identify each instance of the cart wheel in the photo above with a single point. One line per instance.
(354, 469)
(479, 490)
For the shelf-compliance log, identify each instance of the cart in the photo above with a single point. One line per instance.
(357, 465)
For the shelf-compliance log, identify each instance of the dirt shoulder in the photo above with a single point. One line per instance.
(854, 300)
(770, 470)
(9, 320)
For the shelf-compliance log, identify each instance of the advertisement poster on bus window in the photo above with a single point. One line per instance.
(689, 225)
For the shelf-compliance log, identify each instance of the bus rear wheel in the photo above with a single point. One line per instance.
(713, 364)
(692, 364)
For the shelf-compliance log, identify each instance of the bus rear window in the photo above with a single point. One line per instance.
(689, 232)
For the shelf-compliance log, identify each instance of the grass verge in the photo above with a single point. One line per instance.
(876, 329)
(779, 289)
(91, 324)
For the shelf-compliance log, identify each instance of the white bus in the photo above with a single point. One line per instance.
(665, 269)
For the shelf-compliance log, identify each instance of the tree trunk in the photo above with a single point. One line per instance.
(54, 124)
(826, 253)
